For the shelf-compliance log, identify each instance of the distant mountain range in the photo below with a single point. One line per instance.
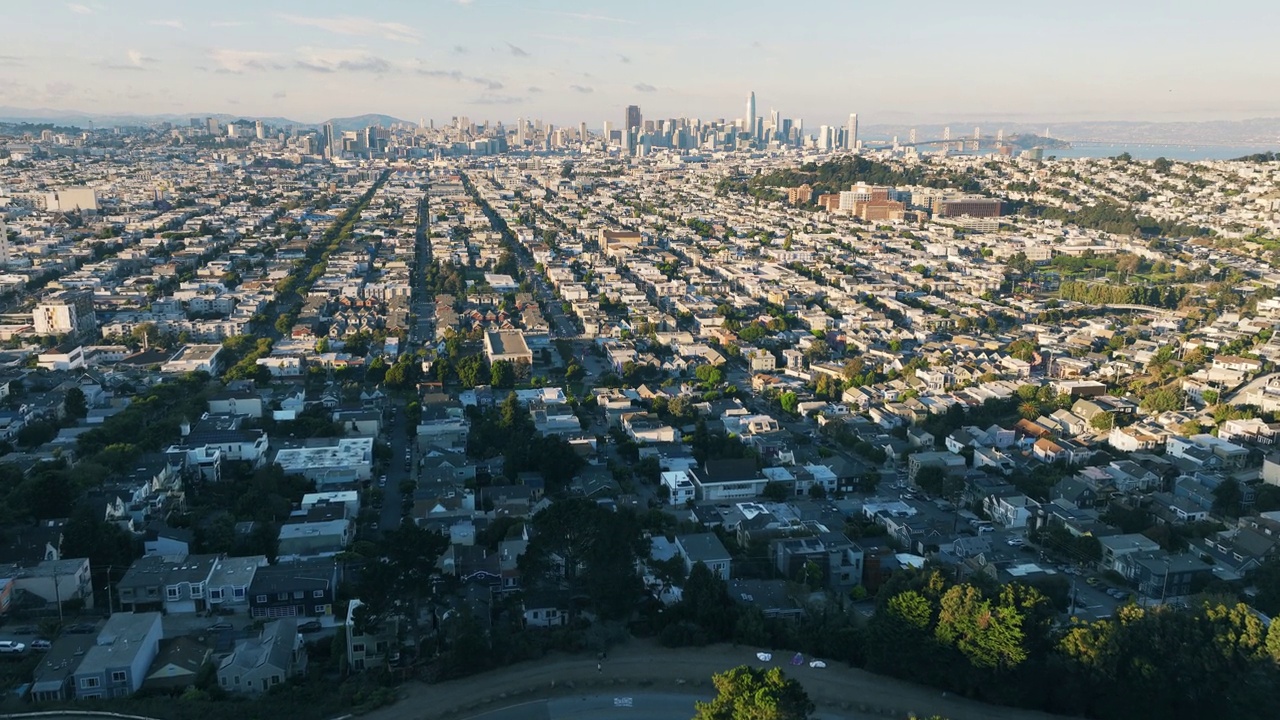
(73, 118)
(1259, 132)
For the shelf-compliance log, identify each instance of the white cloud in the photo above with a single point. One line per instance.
(358, 26)
(175, 24)
(79, 9)
(239, 61)
(329, 60)
(137, 59)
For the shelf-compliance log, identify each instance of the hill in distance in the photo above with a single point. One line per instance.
(75, 118)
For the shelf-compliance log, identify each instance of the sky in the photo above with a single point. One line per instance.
(568, 62)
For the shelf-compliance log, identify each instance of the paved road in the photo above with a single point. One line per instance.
(398, 438)
(642, 667)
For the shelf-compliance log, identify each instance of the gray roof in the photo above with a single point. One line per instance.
(274, 647)
(702, 547)
(120, 640)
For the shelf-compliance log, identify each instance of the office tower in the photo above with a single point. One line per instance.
(65, 313)
(751, 112)
(520, 132)
(851, 132)
(824, 137)
(582, 132)
(329, 139)
(4, 244)
(211, 124)
(607, 131)
(634, 121)
(233, 130)
(258, 130)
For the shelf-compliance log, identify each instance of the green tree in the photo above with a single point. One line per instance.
(502, 375)
(747, 693)
(789, 402)
(75, 403)
(709, 375)
(775, 491)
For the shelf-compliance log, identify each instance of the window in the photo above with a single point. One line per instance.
(238, 593)
(275, 679)
(119, 676)
(317, 593)
(215, 593)
(282, 596)
(357, 647)
(297, 594)
(171, 592)
(89, 682)
(262, 598)
(319, 610)
(237, 679)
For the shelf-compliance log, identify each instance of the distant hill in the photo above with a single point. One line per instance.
(359, 122)
(75, 118)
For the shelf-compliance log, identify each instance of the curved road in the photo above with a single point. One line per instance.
(648, 673)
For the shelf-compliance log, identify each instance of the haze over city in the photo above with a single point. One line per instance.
(567, 62)
(510, 359)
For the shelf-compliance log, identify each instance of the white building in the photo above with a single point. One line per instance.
(348, 460)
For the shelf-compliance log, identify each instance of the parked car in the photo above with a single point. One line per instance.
(1015, 541)
(220, 626)
(11, 646)
(40, 644)
(81, 629)
(310, 626)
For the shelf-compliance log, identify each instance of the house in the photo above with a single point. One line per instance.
(1115, 547)
(837, 558)
(297, 588)
(368, 648)
(545, 609)
(328, 537)
(508, 345)
(1009, 511)
(236, 402)
(116, 664)
(707, 549)
(768, 596)
(228, 586)
(1048, 451)
(176, 664)
(258, 664)
(680, 489)
(733, 479)
(646, 427)
(172, 583)
(50, 582)
(52, 678)
(1135, 438)
(949, 463)
(1160, 577)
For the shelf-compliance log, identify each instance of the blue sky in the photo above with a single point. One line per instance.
(917, 61)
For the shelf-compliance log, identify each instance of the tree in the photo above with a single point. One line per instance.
(775, 491)
(502, 375)
(1227, 497)
(789, 402)
(75, 403)
(747, 693)
(709, 375)
(1102, 421)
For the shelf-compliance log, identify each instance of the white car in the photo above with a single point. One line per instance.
(10, 646)
(1015, 542)
(764, 657)
(817, 664)
(985, 528)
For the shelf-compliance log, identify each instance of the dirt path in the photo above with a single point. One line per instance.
(643, 665)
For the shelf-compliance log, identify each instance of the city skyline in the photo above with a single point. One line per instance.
(570, 62)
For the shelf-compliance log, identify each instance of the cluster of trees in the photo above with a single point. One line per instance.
(1099, 293)
(508, 430)
(592, 551)
(998, 644)
(747, 692)
(836, 175)
(243, 352)
(1112, 218)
